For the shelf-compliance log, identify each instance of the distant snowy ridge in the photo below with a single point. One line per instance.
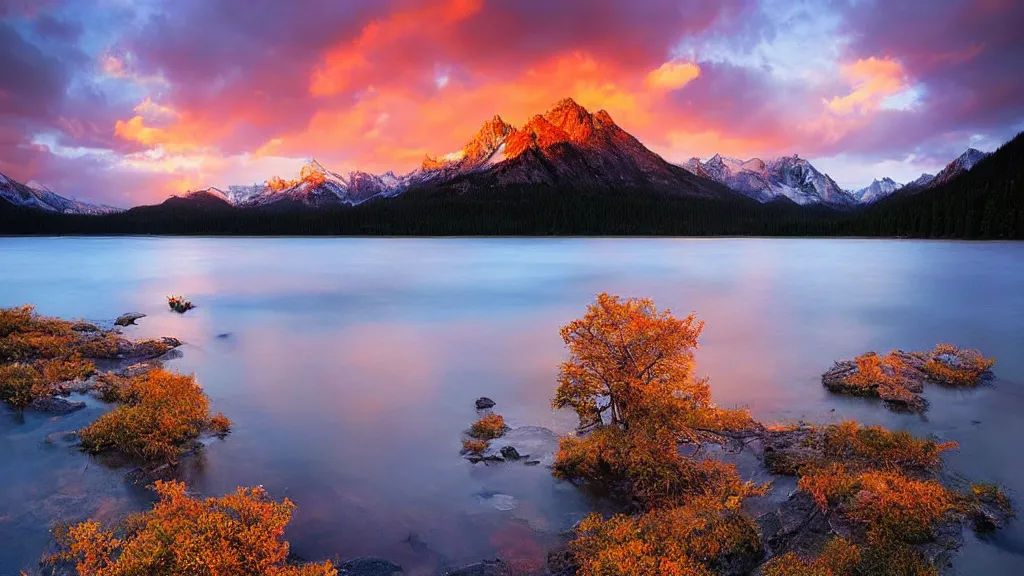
(794, 178)
(789, 177)
(877, 190)
(34, 195)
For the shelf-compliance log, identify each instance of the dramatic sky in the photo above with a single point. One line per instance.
(125, 102)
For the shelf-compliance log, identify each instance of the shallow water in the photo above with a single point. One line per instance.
(349, 368)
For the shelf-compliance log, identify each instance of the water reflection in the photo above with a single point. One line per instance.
(352, 364)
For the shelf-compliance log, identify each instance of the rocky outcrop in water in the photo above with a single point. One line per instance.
(128, 318)
(899, 378)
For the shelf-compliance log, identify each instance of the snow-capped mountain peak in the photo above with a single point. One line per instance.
(877, 190)
(38, 196)
(790, 177)
(962, 164)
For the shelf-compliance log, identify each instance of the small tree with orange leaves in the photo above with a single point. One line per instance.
(629, 362)
(236, 535)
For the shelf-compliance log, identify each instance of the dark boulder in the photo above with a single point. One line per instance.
(128, 318)
(484, 403)
(510, 453)
(55, 405)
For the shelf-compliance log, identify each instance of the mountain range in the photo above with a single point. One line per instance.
(566, 148)
(38, 197)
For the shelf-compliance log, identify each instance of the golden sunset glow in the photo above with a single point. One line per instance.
(380, 86)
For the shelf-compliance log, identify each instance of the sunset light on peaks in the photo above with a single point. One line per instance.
(125, 103)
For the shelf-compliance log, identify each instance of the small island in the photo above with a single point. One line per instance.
(899, 377)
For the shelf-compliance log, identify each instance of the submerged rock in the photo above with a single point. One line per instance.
(128, 318)
(510, 453)
(484, 568)
(66, 437)
(55, 405)
(368, 567)
(502, 502)
(484, 403)
(142, 476)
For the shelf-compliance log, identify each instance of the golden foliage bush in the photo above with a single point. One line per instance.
(104, 346)
(970, 365)
(895, 507)
(488, 427)
(888, 503)
(695, 540)
(65, 369)
(219, 424)
(25, 335)
(877, 371)
(990, 494)
(882, 447)
(839, 558)
(161, 415)
(239, 534)
(650, 470)
(475, 446)
(20, 384)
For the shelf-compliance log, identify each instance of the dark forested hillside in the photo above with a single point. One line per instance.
(987, 202)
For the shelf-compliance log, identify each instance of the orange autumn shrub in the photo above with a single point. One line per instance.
(65, 369)
(895, 507)
(839, 558)
(21, 384)
(882, 447)
(239, 534)
(488, 427)
(650, 470)
(876, 371)
(162, 414)
(890, 505)
(695, 540)
(219, 424)
(25, 336)
(103, 346)
(984, 492)
(829, 486)
(970, 365)
(475, 446)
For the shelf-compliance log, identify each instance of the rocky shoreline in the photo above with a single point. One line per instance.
(839, 469)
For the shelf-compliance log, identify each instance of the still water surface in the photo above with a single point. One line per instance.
(349, 368)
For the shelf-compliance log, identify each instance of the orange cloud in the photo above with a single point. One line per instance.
(673, 75)
(335, 73)
(873, 80)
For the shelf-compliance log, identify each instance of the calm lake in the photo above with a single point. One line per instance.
(350, 366)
